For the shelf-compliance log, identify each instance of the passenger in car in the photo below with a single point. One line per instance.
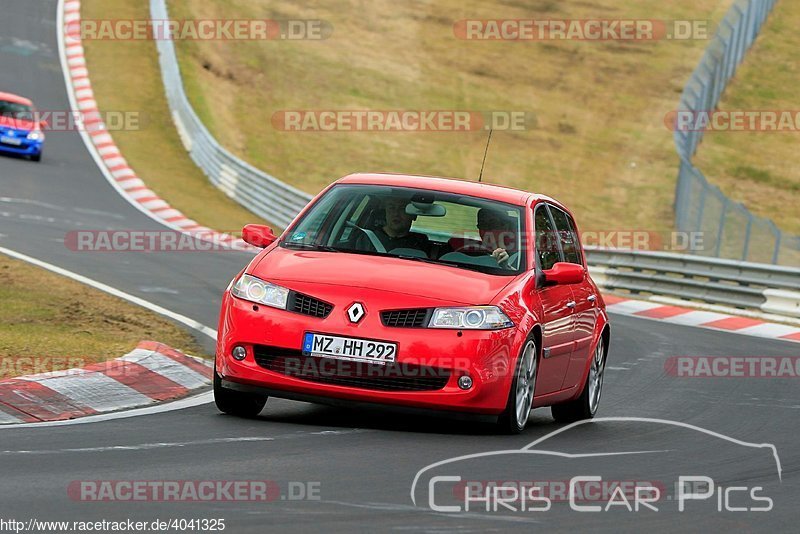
(498, 235)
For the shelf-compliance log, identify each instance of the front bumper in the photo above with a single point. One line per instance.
(486, 356)
(27, 148)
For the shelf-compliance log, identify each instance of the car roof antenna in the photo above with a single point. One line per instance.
(480, 176)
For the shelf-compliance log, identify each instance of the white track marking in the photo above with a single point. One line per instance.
(166, 367)
(142, 447)
(769, 330)
(188, 402)
(6, 419)
(632, 306)
(191, 323)
(695, 318)
(169, 445)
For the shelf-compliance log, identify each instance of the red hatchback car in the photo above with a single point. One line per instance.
(420, 293)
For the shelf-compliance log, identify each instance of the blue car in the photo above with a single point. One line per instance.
(20, 132)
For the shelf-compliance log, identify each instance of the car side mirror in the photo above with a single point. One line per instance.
(564, 273)
(258, 235)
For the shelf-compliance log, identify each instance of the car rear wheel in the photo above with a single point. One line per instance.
(585, 406)
(235, 402)
(520, 398)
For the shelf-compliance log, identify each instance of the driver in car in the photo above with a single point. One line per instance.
(396, 231)
(497, 235)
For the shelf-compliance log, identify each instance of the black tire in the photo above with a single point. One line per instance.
(37, 158)
(235, 402)
(508, 422)
(581, 408)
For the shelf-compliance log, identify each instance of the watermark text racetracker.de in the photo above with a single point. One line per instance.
(76, 121)
(198, 29)
(29, 365)
(738, 120)
(401, 120)
(580, 29)
(150, 241)
(192, 491)
(733, 366)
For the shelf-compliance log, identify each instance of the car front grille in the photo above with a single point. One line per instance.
(413, 318)
(389, 377)
(306, 305)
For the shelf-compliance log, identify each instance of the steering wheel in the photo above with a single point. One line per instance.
(512, 260)
(476, 250)
(373, 239)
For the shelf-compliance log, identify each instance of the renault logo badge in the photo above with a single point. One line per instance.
(356, 312)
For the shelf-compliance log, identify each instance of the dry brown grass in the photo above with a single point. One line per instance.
(598, 141)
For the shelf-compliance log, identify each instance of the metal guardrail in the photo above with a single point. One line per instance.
(264, 195)
(768, 288)
(729, 228)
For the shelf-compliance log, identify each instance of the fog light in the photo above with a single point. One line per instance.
(465, 382)
(239, 353)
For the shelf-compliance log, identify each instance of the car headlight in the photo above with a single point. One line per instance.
(36, 136)
(471, 318)
(255, 290)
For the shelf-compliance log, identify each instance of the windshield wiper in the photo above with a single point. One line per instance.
(416, 258)
(470, 267)
(310, 246)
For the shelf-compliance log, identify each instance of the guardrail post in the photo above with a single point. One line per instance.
(722, 214)
(778, 237)
(746, 245)
(701, 207)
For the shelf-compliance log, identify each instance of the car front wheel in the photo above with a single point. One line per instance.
(235, 402)
(520, 398)
(585, 406)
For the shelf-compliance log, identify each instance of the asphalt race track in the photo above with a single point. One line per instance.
(362, 462)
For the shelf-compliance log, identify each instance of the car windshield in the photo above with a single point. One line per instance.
(15, 110)
(415, 225)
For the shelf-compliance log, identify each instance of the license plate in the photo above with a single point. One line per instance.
(349, 348)
(11, 140)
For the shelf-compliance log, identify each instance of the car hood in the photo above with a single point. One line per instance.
(444, 284)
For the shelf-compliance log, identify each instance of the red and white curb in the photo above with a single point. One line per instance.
(149, 374)
(700, 318)
(101, 144)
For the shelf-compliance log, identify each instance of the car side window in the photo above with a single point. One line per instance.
(567, 236)
(546, 241)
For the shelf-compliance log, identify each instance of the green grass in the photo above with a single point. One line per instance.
(762, 169)
(56, 323)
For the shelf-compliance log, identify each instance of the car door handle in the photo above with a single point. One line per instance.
(591, 298)
(571, 304)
